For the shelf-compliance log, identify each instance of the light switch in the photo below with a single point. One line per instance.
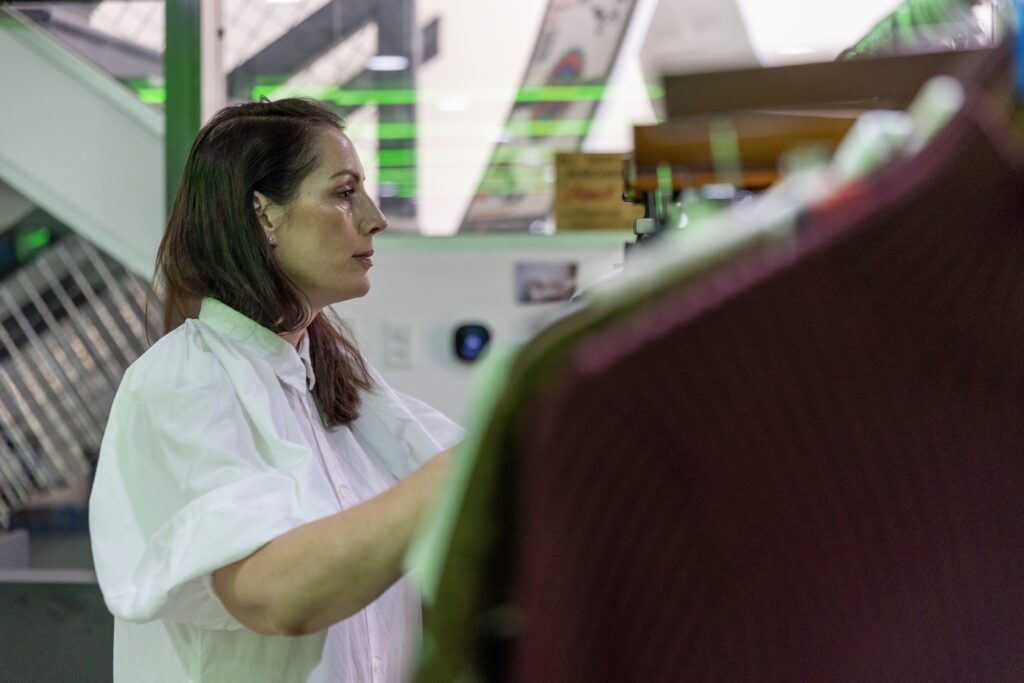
(399, 344)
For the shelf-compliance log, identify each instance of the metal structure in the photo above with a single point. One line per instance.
(71, 322)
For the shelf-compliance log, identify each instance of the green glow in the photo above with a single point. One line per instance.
(356, 97)
(27, 243)
(396, 157)
(392, 95)
(396, 131)
(537, 154)
(342, 97)
(401, 176)
(397, 166)
(562, 93)
(568, 127)
(156, 94)
(725, 151)
(152, 95)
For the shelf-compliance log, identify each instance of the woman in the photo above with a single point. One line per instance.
(258, 482)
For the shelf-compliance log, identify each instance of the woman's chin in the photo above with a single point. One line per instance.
(353, 292)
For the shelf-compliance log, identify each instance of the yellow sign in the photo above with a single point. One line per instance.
(588, 193)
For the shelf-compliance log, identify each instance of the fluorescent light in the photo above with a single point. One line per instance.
(387, 63)
(282, 2)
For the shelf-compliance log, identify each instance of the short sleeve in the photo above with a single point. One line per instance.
(445, 432)
(186, 485)
(401, 431)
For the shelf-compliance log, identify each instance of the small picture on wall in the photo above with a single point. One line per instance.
(543, 282)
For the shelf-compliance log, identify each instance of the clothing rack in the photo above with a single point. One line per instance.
(736, 126)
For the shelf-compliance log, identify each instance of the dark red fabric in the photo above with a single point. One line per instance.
(807, 465)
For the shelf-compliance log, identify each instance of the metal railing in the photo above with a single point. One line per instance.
(71, 322)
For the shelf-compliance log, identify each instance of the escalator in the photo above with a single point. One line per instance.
(71, 322)
(82, 149)
(80, 145)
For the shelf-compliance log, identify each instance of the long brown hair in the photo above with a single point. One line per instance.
(214, 245)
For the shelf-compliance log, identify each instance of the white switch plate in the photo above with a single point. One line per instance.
(399, 344)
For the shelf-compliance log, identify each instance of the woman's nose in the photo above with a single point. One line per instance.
(374, 221)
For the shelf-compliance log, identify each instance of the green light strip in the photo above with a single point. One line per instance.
(567, 127)
(388, 131)
(345, 98)
(396, 157)
(562, 93)
(152, 94)
(408, 131)
(391, 95)
(403, 181)
(395, 163)
(398, 175)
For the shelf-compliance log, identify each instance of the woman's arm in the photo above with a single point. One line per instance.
(327, 570)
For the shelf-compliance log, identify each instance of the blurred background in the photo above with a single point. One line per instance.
(458, 109)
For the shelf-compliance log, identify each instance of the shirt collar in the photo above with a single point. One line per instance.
(292, 366)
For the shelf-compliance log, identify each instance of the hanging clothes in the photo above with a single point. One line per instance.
(805, 466)
(800, 461)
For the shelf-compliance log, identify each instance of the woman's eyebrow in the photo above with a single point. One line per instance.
(346, 171)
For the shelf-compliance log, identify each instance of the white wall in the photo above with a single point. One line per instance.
(787, 31)
(431, 285)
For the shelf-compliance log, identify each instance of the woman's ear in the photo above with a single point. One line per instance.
(261, 206)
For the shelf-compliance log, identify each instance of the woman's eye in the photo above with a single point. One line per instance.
(344, 194)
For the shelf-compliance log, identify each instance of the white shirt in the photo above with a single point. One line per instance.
(214, 447)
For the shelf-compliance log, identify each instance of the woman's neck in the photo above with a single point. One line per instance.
(293, 338)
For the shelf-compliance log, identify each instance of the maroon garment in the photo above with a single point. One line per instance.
(806, 465)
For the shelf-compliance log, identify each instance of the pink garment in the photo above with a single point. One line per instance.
(812, 467)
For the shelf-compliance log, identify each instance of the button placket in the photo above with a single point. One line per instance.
(333, 476)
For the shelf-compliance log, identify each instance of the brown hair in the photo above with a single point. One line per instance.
(214, 245)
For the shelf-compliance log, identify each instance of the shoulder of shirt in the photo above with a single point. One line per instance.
(177, 361)
(375, 377)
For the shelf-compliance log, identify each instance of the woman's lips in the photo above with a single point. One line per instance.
(365, 258)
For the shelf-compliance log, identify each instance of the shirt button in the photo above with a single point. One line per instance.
(341, 492)
(376, 666)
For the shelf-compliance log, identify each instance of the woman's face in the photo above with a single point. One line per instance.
(324, 237)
